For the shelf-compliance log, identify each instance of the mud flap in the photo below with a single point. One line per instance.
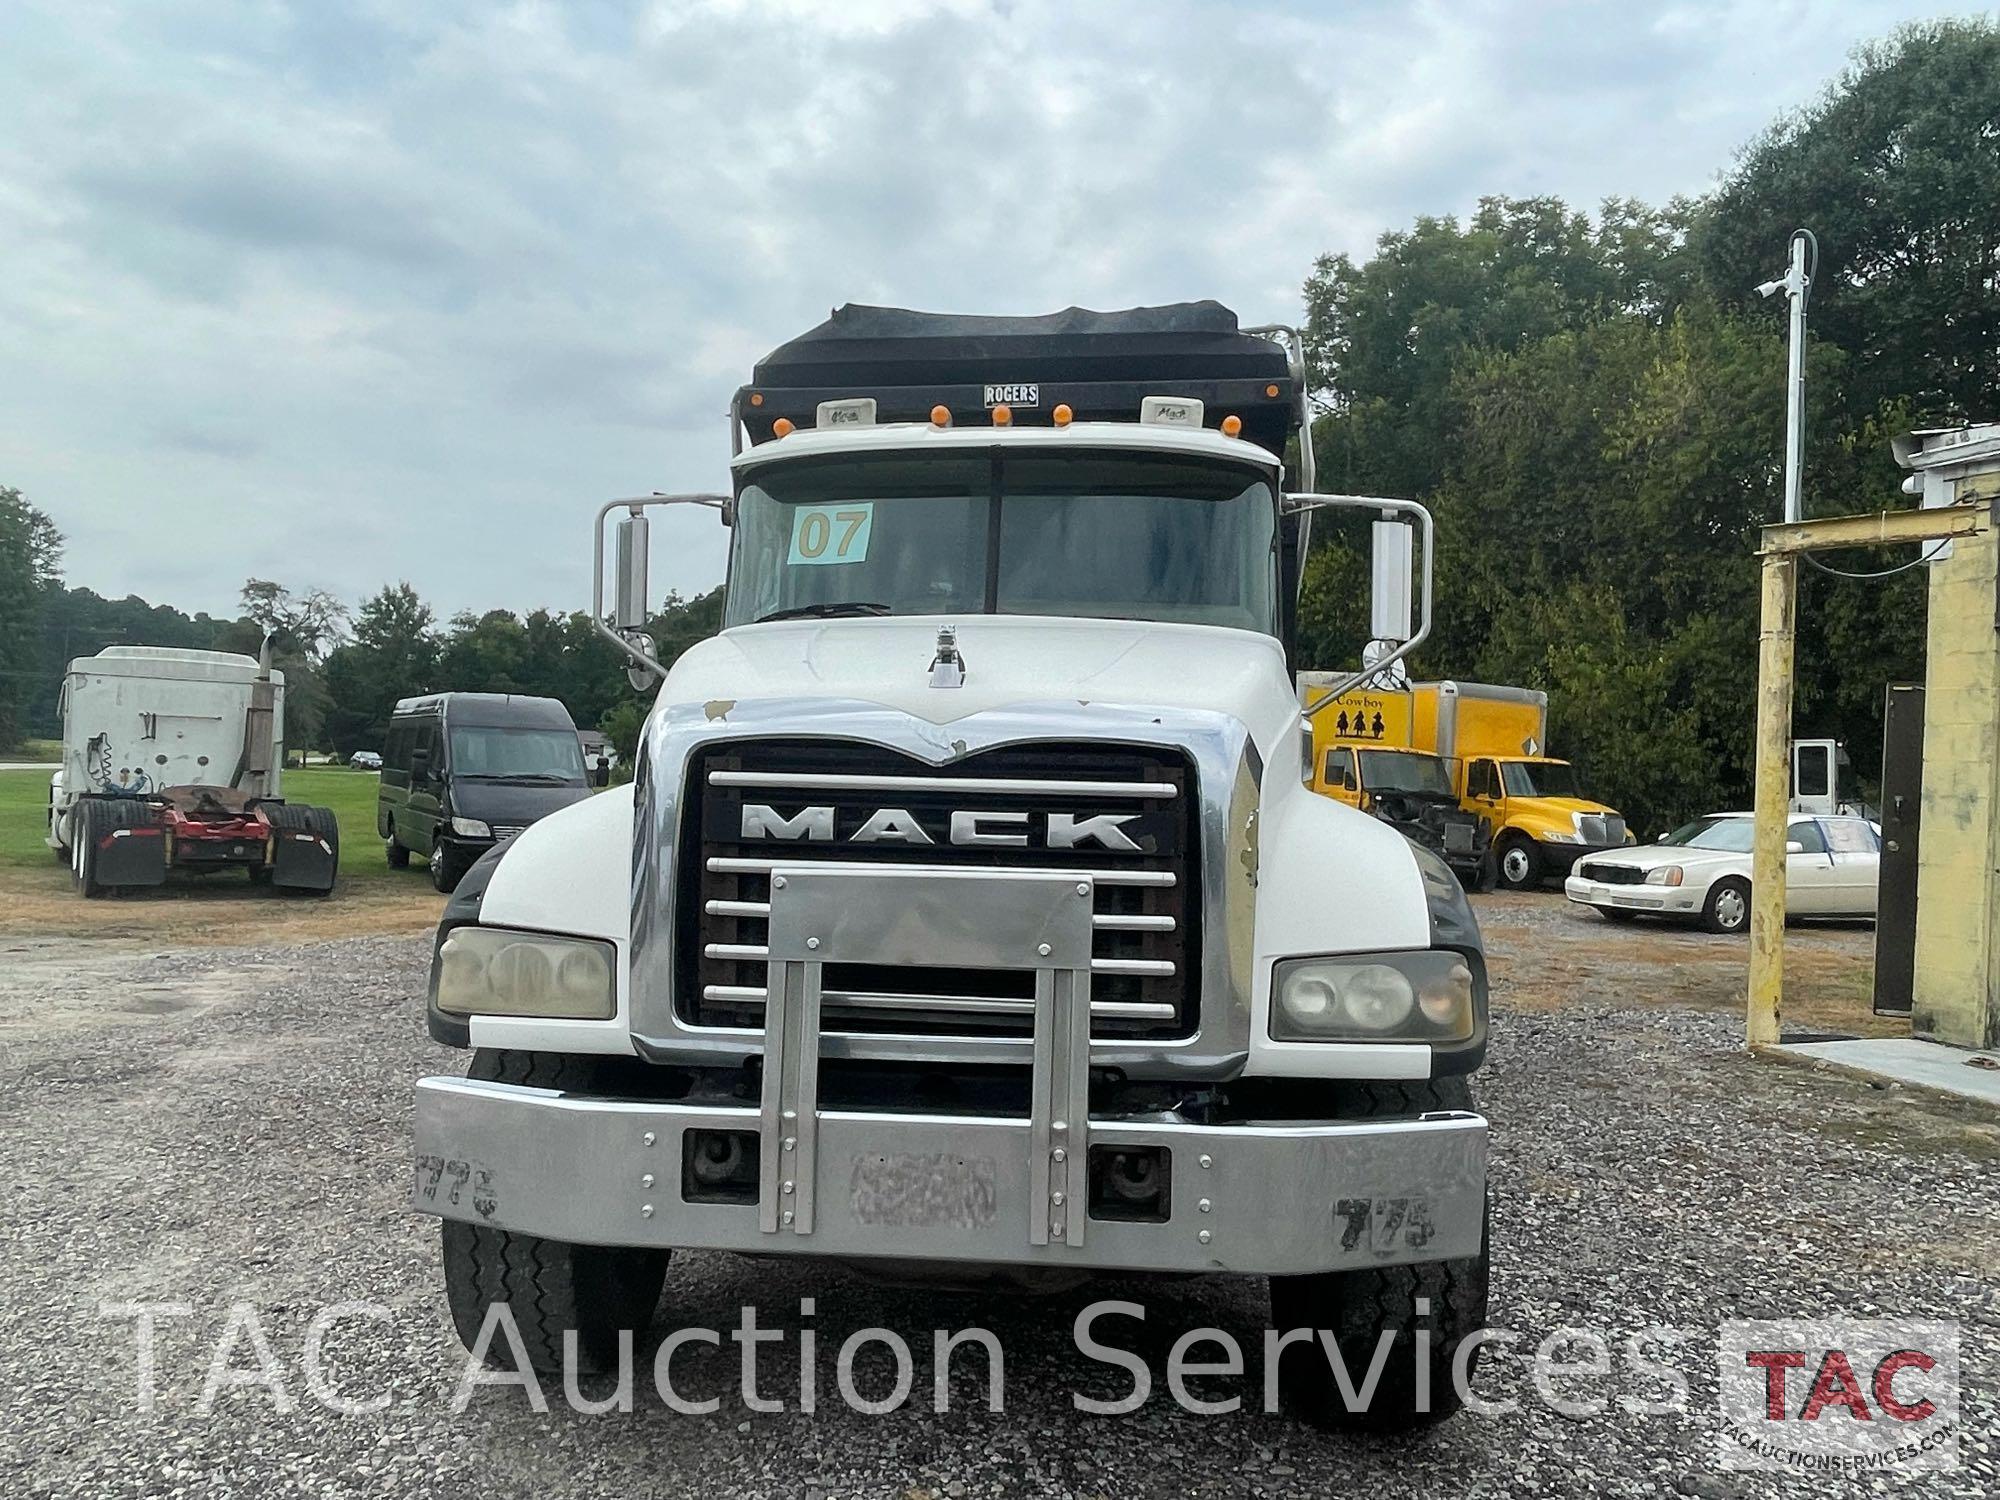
(130, 856)
(302, 859)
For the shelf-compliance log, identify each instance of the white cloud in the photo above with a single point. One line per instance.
(346, 294)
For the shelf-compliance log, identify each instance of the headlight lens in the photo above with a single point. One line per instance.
(492, 971)
(470, 828)
(1664, 875)
(1555, 837)
(1378, 997)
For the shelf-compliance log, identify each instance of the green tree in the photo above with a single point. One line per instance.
(30, 571)
(1896, 169)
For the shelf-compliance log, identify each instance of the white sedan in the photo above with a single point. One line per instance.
(1702, 870)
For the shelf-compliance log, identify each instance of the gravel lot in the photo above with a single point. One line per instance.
(210, 1127)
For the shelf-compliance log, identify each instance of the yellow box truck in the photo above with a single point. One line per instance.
(1492, 738)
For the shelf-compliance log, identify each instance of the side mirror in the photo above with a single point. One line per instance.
(1661, 839)
(1793, 846)
(628, 608)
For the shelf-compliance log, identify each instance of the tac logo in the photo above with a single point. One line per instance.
(1839, 1395)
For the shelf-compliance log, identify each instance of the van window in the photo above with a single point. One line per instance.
(499, 754)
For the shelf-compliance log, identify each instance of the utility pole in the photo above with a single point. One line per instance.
(1769, 818)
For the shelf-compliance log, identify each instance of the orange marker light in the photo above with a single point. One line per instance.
(756, 398)
(782, 427)
(1003, 415)
(1232, 425)
(1271, 390)
(940, 416)
(1063, 415)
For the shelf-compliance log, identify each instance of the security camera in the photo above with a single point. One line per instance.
(1770, 288)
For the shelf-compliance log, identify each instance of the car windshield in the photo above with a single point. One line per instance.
(525, 754)
(1114, 535)
(1539, 778)
(1729, 835)
(1403, 771)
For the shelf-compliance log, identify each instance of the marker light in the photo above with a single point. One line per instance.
(1232, 425)
(1269, 390)
(1003, 415)
(782, 427)
(1063, 415)
(940, 416)
(756, 398)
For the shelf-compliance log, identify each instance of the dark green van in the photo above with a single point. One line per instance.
(464, 771)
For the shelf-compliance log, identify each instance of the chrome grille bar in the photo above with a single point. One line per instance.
(991, 785)
(734, 865)
(993, 1005)
(1158, 968)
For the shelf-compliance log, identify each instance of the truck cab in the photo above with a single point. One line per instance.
(1493, 738)
(970, 910)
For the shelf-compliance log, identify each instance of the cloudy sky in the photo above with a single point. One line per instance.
(339, 294)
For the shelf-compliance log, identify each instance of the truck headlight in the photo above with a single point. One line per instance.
(470, 828)
(1664, 875)
(1554, 837)
(493, 971)
(1376, 997)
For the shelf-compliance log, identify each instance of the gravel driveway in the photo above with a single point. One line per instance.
(213, 1128)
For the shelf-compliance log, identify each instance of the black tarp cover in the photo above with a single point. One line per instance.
(1100, 363)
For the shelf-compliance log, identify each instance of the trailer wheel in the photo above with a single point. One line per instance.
(1520, 866)
(1356, 1308)
(298, 817)
(551, 1287)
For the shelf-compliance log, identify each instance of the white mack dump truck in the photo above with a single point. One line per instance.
(969, 912)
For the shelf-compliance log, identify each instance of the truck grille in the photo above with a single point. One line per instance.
(1600, 830)
(1147, 911)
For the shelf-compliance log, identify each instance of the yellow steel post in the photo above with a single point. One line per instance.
(1773, 798)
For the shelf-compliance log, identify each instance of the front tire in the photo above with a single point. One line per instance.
(447, 868)
(1520, 864)
(1356, 1308)
(550, 1286)
(1727, 909)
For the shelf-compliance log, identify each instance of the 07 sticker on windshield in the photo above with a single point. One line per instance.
(831, 533)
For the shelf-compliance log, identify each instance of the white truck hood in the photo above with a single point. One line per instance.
(1009, 659)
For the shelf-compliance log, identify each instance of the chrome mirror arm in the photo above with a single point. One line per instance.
(1385, 508)
(643, 664)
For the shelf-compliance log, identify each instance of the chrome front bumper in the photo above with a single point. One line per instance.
(1008, 1190)
(1276, 1199)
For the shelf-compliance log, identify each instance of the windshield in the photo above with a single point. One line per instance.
(1731, 835)
(1404, 771)
(533, 754)
(1128, 536)
(1539, 778)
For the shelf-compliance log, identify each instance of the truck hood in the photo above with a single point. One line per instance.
(1009, 659)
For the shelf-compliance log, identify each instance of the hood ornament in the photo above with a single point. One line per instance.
(947, 667)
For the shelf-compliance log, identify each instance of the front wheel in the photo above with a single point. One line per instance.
(1520, 865)
(1359, 1310)
(1727, 909)
(550, 1287)
(447, 867)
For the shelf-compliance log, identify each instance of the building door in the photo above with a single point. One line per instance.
(1902, 808)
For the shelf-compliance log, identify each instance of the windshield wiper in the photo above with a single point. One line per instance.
(824, 611)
